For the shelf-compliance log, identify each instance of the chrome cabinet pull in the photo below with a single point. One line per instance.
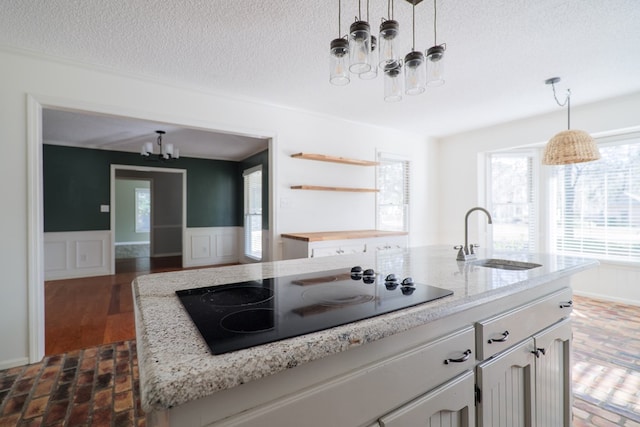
(503, 338)
(566, 304)
(464, 358)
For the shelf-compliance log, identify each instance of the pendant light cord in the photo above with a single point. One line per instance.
(566, 102)
(413, 46)
(390, 9)
(435, 21)
(359, 10)
(339, 16)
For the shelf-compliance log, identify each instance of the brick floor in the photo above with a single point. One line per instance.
(606, 363)
(99, 386)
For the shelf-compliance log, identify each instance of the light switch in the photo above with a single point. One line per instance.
(104, 208)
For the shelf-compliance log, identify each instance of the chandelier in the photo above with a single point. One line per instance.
(569, 146)
(361, 53)
(167, 152)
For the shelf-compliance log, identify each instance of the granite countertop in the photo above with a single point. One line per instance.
(175, 363)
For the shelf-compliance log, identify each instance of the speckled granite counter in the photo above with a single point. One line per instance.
(176, 366)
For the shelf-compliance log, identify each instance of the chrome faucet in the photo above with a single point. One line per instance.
(466, 252)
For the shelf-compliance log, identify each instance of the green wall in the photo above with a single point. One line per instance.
(76, 183)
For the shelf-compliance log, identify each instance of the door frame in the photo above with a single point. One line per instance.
(35, 191)
(112, 203)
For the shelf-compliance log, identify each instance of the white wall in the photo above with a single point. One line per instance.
(461, 165)
(57, 83)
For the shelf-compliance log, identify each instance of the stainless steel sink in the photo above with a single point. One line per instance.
(505, 264)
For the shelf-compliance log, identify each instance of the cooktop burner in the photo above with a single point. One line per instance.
(241, 315)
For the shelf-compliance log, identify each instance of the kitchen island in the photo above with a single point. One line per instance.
(372, 372)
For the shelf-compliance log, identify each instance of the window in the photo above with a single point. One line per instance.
(512, 200)
(596, 205)
(393, 196)
(253, 212)
(143, 210)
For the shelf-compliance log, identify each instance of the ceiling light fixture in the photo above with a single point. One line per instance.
(569, 146)
(435, 54)
(167, 152)
(361, 53)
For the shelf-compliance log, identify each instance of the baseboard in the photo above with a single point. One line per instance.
(8, 364)
(607, 298)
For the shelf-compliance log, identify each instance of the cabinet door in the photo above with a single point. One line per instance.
(553, 375)
(450, 405)
(506, 387)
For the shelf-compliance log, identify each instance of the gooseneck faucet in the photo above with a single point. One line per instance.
(466, 252)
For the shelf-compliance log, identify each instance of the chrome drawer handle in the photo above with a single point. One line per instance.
(503, 338)
(566, 304)
(464, 358)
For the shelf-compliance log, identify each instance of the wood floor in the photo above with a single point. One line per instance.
(88, 312)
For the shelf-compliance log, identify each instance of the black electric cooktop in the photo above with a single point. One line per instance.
(241, 315)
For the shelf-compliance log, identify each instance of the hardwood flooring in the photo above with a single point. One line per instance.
(92, 311)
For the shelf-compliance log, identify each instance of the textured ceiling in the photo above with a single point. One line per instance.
(276, 51)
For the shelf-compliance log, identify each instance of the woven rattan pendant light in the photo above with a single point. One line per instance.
(569, 146)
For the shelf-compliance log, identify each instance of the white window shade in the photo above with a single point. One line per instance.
(393, 195)
(253, 212)
(597, 204)
(512, 199)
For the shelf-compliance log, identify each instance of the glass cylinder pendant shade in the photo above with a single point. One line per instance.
(435, 66)
(415, 75)
(359, 47)
(389, 55)
(339, 62)
(373, 61)
(393, 83)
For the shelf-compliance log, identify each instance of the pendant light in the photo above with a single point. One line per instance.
(339, 57)
(415, 76)
(393, 82)
(435, 55)
(388, 38)
(569, 146)
(359, 44)
(167, 151)
(373, 56)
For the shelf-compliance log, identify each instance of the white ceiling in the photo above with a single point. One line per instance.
(124, 134)
(276, 51)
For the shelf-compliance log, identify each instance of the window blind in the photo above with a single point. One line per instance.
(393, 196)
(513, 201)
(253, 212)
(597, 204)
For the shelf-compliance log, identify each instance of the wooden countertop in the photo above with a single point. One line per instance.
(341, 235)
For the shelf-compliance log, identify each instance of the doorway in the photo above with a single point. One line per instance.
(148, 218)
(113, 123)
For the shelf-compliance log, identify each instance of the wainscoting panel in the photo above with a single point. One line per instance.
(211, 245)
(74, 254)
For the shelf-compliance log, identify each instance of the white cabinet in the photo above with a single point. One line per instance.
(432, 380)
(450, 405)
(553, 375)
(529, 384)
(295, 248)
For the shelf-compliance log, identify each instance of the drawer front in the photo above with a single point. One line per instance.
(362, 396)
(498, 333)
(317, 252)
(451, 404)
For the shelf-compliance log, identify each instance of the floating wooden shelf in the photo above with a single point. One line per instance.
(334, 159)
(321, 188)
